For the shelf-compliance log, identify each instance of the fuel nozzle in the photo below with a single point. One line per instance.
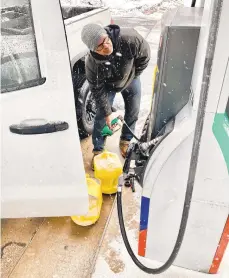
(144, 147)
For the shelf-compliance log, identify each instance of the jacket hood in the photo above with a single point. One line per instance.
(113, 32)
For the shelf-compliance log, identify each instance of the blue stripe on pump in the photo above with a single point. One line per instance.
(144, 213)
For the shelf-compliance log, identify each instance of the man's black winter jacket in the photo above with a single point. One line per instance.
(115, 72)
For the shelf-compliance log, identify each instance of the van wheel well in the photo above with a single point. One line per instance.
(84, 104)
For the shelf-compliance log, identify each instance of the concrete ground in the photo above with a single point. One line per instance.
(56, 247)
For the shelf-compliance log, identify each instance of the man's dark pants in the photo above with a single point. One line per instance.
(132, 99)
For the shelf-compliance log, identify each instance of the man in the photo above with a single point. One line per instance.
(117, 58)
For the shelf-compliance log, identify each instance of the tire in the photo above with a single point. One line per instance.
(85, 107)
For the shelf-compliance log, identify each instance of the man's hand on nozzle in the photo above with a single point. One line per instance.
(108, 121)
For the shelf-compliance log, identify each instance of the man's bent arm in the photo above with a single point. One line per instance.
(96, 84)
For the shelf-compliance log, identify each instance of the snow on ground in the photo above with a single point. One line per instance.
(140, 8)
(136, 8)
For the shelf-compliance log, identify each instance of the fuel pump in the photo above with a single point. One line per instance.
(182, 159)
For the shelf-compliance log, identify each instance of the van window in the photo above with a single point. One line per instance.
(19, 59)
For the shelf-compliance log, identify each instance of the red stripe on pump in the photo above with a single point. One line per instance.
(221, 249)
(142, 243)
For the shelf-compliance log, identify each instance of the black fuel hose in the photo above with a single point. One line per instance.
(193, 3)
(123, 121)
(194, 156)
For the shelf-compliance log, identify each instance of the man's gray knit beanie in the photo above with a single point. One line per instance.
(91, 34)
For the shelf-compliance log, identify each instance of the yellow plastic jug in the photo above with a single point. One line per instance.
(108, 168)
(95, 204)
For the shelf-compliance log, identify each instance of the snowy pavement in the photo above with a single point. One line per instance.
(132, 8)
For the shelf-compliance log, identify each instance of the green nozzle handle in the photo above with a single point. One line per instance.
(106, 131)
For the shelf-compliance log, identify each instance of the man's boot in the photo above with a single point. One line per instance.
(123, 146)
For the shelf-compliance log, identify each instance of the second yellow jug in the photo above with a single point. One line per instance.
(95, 204)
